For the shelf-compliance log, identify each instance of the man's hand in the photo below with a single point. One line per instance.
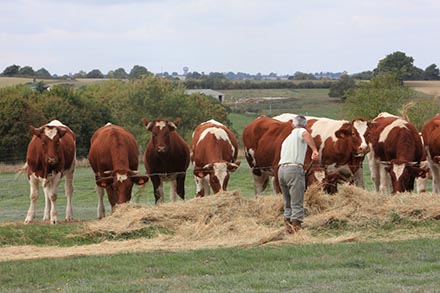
(315, 155)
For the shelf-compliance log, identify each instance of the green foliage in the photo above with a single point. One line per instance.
(26, 71)
(432, 72)
(42, 73)
(384, 93)
(338, 89)
(422, 110)
(138, 71)
(95, 73)
(398, 64)
(11, 70)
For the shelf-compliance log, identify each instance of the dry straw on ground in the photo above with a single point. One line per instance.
(230, 220)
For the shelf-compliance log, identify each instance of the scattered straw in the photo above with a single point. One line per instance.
(230, 220)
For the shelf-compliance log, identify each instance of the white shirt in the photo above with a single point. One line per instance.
(294, 148)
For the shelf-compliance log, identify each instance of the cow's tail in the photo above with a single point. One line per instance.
(21, 170)
(405, 110)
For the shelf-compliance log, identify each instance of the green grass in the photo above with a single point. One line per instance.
(346, 267)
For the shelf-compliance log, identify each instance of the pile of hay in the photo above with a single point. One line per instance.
(230, 219)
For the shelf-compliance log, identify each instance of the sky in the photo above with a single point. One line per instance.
(252, 36)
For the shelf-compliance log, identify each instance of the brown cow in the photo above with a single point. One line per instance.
(166, 158)
(51, 154)
(341, 145)
(214, 151)
(114, 158)
(431, 138)
(396, 154)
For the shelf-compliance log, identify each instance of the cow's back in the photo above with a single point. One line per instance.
(213, 142)
(431, 135)
(113, 147)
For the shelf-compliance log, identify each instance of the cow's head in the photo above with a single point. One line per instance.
(403, 174)
(119, 184)
(218, 174)
(356, 135)
(160, 133)
(50, 138)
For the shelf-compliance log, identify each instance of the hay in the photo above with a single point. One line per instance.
(230, 220)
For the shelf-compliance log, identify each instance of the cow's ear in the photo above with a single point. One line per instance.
(232, 167)
(36, 131)
(177, 121)
(199, 172)
(104, 182)
(148, 124)
(139, 179)
(61, 131)
(343, 133)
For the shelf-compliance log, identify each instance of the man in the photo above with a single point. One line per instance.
(291, 172)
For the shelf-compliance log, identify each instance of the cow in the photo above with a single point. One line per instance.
(214, 150)
(431, 139)
(166, 158)
(51, 154)
(114, 158)
(396, 154)
(341, 145)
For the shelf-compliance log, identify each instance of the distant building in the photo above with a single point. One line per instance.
(215, 94)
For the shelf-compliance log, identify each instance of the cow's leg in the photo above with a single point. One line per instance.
(157, 189)
(68, 186)
(47, 207)
(358, 177)
(206, 185)
(374, 171)
(173, 189)
(385, 180)
(180, 185)
(101, 208)
(260, 183)
(34, 185)
(51, 191)
(435, 172)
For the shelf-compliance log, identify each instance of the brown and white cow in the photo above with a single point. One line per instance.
(214, 151)
(166, 158)
(431, 138)
(114, 158)
(51, 154)
(341, 145)
(396, 154)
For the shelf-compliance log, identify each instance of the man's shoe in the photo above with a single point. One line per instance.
(296, 226)
(289, 226)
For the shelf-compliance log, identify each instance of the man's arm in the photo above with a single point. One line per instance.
(311, 143)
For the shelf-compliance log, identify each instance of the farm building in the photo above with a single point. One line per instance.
(215, 94)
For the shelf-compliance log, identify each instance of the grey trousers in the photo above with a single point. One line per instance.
(292, 183)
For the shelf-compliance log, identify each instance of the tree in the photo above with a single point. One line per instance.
(432, 72)
(138, 71)
(384, 93)
(339, 88)
(11, 70)
(26, 71)
(397, 63)
(95, 73)
(120, 73)
(42, 73)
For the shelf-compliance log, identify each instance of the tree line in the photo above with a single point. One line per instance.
(86, 109)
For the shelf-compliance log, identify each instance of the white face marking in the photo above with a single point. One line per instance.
(220, 171)
(251, 153)
(121, 177)
(108, 124)
(219, 133)
(161, 124)
(398, 170)
(361, 127)
(50, 132)
(55, 123)
(319, 176)
(386, 131)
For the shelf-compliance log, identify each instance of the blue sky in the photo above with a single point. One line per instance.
(281, 36)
